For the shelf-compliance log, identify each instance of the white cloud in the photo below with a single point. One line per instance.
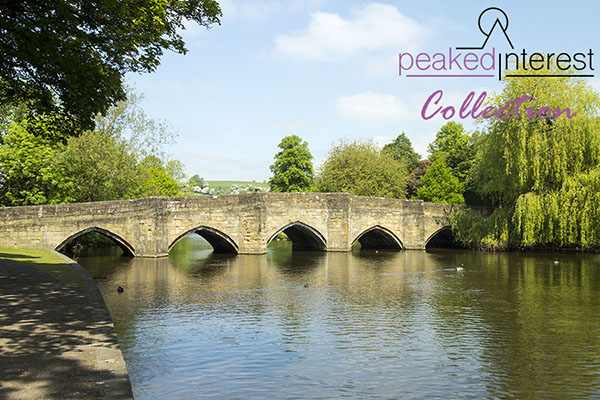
(371, 106)
(329, 36)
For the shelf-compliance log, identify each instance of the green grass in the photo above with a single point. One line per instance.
(46, 261)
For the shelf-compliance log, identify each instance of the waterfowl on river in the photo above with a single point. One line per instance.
(120, 289)
(556, 261)
(461, 268)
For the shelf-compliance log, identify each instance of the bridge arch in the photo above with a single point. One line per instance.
(303, 237)
(220, 242)
(378, 237)
(127, 248)
(441, 238)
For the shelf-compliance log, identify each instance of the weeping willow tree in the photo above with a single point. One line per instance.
(541, 174)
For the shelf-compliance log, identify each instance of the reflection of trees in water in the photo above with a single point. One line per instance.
(92, 244)
(206, 266)
(288, 262)
(516, 320)
(102, 266)
(532, 323)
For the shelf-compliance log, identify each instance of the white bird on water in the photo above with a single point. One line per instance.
(461, 268)
(555, 261)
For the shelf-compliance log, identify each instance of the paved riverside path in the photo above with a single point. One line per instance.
(57, 340)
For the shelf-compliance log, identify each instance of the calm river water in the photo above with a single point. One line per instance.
(361, 325)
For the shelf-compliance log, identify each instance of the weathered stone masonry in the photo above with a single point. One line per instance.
(236, 223)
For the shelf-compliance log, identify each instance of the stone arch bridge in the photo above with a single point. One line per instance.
(243, 224)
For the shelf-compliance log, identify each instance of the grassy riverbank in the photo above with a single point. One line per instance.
(46, 261)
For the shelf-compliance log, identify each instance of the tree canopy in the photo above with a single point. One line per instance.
(27, 167)
(69, 57)
(542, 174)
(401, 149)
(454, 145)
(100, 164)
(414, 181)
(360, 168)
(293, 168)
(439, 185)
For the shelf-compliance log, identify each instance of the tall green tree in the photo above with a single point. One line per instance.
(454, 145)
(439, 185)
(360, 168)
(542, 173)
(293, 168)
(401, 149)
(69, 57)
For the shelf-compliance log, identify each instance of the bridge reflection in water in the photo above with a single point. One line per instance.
(388, 324)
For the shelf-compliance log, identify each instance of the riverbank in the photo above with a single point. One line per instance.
(57, 339)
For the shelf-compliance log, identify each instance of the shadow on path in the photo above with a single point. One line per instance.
(56, 340)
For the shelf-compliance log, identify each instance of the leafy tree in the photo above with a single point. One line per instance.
(293, 168)
(455, 146)
(100, 167)
(118, 160)
(121, 158)
(542, 174)
(27, 173)
(155, 179)
(359, 168)
(128, 121)
(70, 57)
(521, 155)
(175, 169)
(401, 149)
(440, 186)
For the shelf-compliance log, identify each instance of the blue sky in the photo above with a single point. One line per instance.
(325, 70)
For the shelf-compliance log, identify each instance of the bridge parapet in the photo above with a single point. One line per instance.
(243, 223)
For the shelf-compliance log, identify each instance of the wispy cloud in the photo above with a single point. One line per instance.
(373, 27)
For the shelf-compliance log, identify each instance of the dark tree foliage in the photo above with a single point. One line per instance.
(401, 148)
(414, 180)
(68, 57)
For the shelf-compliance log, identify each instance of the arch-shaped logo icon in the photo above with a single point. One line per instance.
(500, 20)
